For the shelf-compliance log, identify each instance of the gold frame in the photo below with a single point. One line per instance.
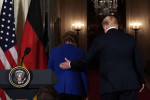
(15, 84)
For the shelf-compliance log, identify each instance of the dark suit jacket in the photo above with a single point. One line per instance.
(121, 67)
(70, 82)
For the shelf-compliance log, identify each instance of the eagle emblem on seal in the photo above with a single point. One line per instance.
(19, 76)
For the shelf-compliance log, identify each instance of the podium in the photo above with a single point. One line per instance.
(38, 78)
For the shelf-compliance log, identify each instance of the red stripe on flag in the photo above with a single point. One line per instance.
(36, 59)
(2, 95)
(1, 65)
(10, 59)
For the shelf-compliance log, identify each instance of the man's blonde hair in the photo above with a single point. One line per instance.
(110, 21)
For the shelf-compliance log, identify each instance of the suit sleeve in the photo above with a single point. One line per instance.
(50, 61)
(139, 64)
(81, 63)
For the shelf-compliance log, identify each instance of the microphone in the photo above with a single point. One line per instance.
(26, 52)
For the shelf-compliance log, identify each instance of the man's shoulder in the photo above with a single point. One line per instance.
(127, 35)
(100, 36)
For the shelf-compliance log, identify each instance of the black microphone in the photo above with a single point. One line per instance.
(26, 52)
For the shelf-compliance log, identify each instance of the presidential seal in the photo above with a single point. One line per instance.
(19, 77)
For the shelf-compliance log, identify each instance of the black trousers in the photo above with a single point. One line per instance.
(63, 96)
(123, 95)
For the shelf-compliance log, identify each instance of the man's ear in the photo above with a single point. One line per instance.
(105, 28)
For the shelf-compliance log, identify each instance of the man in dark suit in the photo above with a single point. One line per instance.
(121, 66)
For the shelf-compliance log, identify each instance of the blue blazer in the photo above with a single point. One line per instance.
(70, 82)
(121, 66)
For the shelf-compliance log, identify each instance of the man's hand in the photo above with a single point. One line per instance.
(141, 88)
(65, 65)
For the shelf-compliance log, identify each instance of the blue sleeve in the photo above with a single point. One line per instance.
(84, 76)
(50, 61)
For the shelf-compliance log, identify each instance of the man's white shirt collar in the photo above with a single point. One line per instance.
(110, 28)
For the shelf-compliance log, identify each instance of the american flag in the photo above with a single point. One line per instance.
(8, 48)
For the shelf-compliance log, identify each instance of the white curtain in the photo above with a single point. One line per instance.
(20, 10)
(1, 2)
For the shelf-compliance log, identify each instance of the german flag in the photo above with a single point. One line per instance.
(33, 38)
